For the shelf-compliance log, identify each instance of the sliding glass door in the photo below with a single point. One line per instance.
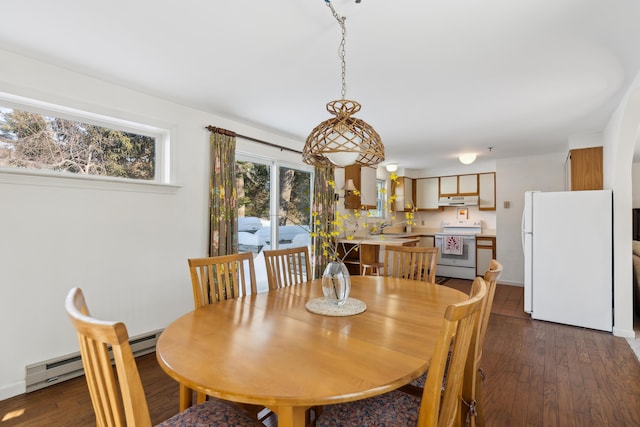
(274, 204)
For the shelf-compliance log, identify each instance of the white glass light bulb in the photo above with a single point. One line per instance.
(343, 158)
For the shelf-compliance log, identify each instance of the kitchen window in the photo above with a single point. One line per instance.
(381, 200)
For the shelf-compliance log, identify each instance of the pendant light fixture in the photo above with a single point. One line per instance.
(343, 140)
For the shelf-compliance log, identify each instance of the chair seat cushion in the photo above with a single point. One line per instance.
(213, 412)
(394, 409)
(420, 381)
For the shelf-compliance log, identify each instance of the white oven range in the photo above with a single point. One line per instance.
(453, 265)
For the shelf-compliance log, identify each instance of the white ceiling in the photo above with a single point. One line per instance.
(435, 78)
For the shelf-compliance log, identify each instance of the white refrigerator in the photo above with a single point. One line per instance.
(568, 257)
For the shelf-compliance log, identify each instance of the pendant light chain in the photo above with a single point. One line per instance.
(341, 49)
(343, 140)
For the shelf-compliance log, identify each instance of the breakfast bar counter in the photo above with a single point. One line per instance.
(368, 249)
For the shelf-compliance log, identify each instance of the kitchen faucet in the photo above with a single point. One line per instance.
(378, 229)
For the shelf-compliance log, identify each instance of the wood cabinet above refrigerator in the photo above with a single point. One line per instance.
(584, 169)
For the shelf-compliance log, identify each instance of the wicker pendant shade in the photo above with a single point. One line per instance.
(343, 140)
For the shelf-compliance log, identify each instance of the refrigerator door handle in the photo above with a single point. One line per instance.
(523, 232)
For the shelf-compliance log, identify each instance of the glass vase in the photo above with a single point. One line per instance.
(336, 283)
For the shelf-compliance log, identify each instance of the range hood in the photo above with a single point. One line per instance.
(458, 201)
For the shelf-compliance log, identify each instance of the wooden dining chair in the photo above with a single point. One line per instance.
(411, 262)
(221, 277)
(474, 375)
(436, 407)
(286, 267)
(118, 397)
(473, 412)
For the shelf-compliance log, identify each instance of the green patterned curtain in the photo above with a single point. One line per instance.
(223, 212)
(324, 206)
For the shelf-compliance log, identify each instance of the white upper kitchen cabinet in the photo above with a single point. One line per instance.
(459, 185)
(427, 193)
(468, 185)
(449, 185)
(404, 192)
(487, 199)
(368, 190)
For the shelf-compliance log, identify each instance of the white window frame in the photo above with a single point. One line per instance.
(162, 136)
(381, 200)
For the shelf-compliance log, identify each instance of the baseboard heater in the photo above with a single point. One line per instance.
(54, 371)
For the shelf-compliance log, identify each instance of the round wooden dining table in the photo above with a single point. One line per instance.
(268, 349)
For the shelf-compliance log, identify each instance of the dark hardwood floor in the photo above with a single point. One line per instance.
(538, 374)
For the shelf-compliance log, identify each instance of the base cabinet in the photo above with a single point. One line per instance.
(427, 241)
(485, 252)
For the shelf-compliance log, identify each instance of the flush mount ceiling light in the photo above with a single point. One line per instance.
(392, 167)
(467, 158)
(343, 140)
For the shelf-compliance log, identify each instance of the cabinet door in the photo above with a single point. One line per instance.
(427, 241)
(449, 185)
(485, 252)
(487, 191)
(405, 194)
(586, 169)
(368, 191)
(427, 193)
(397, 189)
(409, 194)
(468, 185)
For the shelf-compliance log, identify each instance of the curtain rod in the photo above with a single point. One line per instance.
(231, 133)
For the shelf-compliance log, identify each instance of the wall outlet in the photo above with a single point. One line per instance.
(507, 204)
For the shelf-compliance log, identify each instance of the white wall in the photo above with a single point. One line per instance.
(620, 139)
(126, 246)
(513, 178)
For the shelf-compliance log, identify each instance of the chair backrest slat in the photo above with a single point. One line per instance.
(286, 267)
(222, 277)
(411, 262)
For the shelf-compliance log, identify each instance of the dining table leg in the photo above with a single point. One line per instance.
(186, 397)
(291, 416)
